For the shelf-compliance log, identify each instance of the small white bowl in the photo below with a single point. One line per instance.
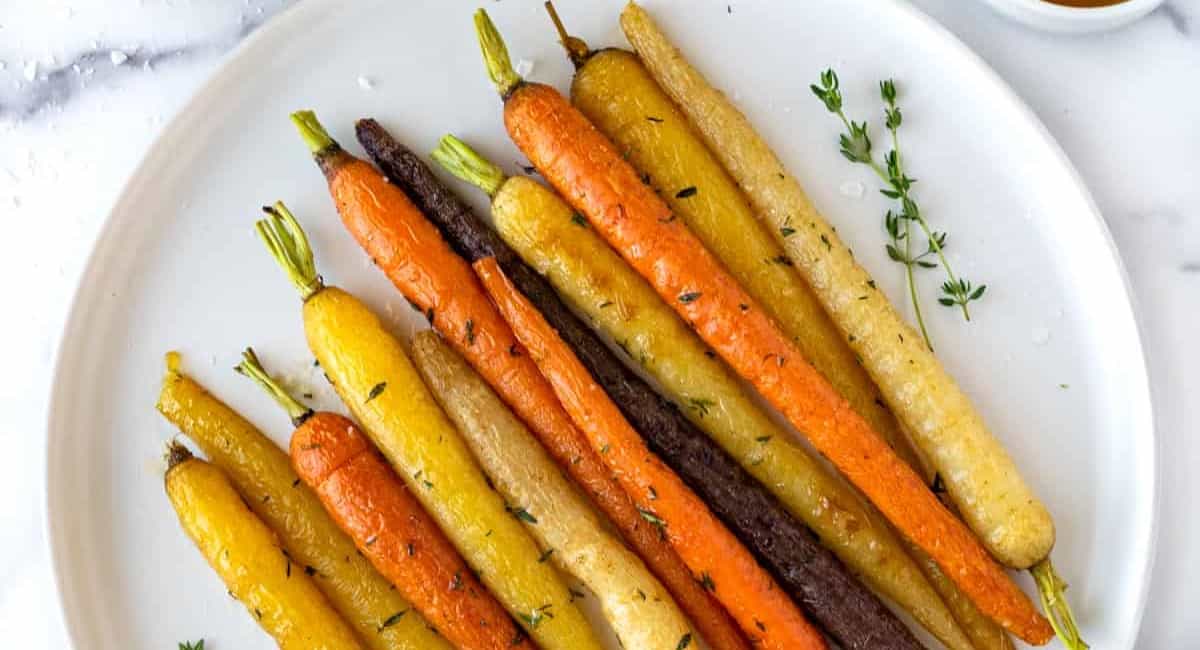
(1073, 20)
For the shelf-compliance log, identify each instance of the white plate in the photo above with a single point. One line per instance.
(177, 267)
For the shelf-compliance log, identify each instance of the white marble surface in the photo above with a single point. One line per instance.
(86, 84)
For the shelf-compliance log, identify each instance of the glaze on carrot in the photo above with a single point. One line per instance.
(388, 525)
(411, 252)
(588, 171)
(715, 556)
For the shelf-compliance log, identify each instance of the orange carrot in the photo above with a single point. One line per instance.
(358, 489)
(590, 173)
(714, 555)
(411, 252)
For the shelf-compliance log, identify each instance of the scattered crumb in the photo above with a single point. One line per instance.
(524, 67)
(852, 189)
(118, 57)
(366, 83)
(1040, 336)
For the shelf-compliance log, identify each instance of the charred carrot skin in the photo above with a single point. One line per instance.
(720, 562)
(817, 580)
(391, 529)
(587, 170)
(443, 287)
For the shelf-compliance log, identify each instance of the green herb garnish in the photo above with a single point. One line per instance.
(376, 390)
(391, 620)
(855, 146)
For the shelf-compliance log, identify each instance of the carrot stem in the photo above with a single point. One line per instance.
(495, 55)
(315, 135)
(251, 367)
(577, 49)
(1053, 592)
(289, 246)
(465, 163)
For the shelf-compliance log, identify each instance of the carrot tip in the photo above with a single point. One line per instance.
(176, 453)
(495, 54)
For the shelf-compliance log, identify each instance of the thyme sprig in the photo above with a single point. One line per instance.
(856, 146)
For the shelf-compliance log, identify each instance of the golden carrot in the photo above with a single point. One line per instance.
(588, 171)
(247, 555)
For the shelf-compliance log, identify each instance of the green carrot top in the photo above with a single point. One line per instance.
(495, 55)
(289, 246)
(251, 367)
(467, 164)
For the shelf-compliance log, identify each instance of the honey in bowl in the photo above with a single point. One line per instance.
(1083, 4)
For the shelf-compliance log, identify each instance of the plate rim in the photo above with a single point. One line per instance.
(1142, 403)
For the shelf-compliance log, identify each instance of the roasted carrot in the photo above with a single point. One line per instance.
(588, 171)
(822, 586)
(616, 92)
(246, 554)
(713, 554)
(262, 473)
(333, 458)
(409, 249)
(376, 380)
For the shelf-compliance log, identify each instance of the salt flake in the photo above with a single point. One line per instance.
(851, 189)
